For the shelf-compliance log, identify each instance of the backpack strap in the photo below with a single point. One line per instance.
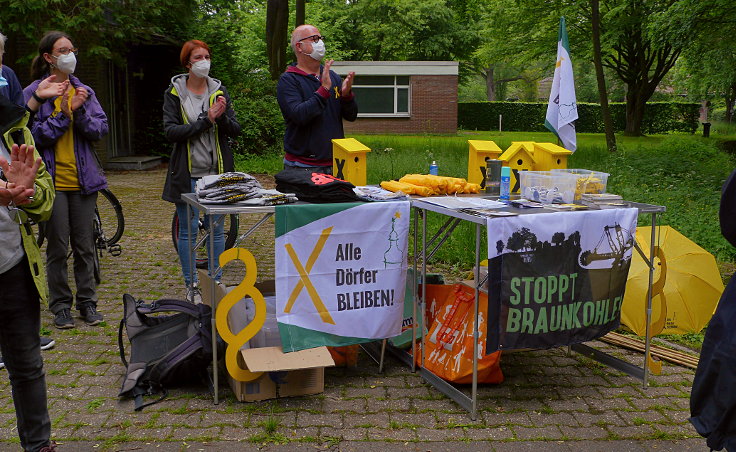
(170, 305)
(128, 303)
(139, 393)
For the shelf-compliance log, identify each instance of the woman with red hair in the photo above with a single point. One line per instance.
(198, 119)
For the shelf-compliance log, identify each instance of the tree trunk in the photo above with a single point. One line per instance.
(277, 22)
(635, 103)
(300, 13)
(601, 78)
(490, 84)
(730, 99)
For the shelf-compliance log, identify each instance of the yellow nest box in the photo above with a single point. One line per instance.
(519, 157)
(349, 160)
(479, 152)
(550, 156)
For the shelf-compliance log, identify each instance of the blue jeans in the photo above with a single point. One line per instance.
(188, 259)
(20, 311)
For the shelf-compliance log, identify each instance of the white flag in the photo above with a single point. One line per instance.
(562, 110)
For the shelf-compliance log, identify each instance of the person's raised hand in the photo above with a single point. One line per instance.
(14, 195)
(48, 88)
(64, 105)
(347, 84)
(217, 108)
(325, 78)
(20, 174)
(80, 97)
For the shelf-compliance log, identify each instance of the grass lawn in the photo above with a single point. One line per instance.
(682, 172)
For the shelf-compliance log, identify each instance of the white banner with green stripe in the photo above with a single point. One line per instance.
(340, 272)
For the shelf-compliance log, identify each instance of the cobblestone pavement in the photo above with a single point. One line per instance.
(550, 401)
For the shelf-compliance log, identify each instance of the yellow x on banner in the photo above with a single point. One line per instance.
(304, 280)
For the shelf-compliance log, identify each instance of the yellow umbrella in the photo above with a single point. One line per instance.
(692, 285)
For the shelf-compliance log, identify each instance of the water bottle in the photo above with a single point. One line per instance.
(434, 169)
(505, 183)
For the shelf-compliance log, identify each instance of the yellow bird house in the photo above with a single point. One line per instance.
(480, 151)
(349, 160)
(549, 156)
(519, 157)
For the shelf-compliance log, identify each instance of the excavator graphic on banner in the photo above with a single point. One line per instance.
(618, 241)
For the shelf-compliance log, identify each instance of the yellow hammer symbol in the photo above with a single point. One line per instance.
(304, 280)
(337, 93)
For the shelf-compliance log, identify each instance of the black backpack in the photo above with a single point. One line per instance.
(165, 349)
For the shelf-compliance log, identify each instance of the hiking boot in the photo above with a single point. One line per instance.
(194, 295)
(47, 343)
(63, 319)
(90, 315)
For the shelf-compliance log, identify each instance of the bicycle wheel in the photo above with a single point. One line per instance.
(232, 223)
(110, 214)
(100, 245)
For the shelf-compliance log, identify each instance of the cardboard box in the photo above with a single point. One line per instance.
(285, 374)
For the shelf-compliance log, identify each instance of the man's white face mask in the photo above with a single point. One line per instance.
(318, 50)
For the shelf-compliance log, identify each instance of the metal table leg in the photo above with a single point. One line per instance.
(212, 266)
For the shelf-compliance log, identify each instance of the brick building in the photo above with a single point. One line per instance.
(403, 96)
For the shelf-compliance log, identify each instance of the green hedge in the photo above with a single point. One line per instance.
(659, 117)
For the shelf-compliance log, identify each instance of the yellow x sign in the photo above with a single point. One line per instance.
(304, 280)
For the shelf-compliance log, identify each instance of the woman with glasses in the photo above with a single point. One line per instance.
(198, 119)
(65, 129)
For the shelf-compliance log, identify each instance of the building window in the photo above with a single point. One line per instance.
(382, 95)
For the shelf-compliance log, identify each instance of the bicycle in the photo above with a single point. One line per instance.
(108, 219)
(232, 223)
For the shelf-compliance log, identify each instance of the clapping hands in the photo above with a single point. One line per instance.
(20, 175)
(217, 109)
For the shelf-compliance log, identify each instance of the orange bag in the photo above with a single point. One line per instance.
(449, 344)
(345, 356)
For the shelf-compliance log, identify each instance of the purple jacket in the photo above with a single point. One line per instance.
(90, 124)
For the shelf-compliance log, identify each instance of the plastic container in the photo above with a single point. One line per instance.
(246, 309)
(587, 181)
(268, 336)
(547, 187)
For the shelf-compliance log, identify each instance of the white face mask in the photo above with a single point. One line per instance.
(66, 63)
(201, 68)
(318, 50)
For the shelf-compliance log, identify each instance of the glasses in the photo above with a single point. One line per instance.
(65, 51)
(313, 38)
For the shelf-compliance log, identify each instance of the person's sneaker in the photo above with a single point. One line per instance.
(194, 294)
(2, 363)
(47, 343)
(63, 319)
(90, 315)
(50, 448)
